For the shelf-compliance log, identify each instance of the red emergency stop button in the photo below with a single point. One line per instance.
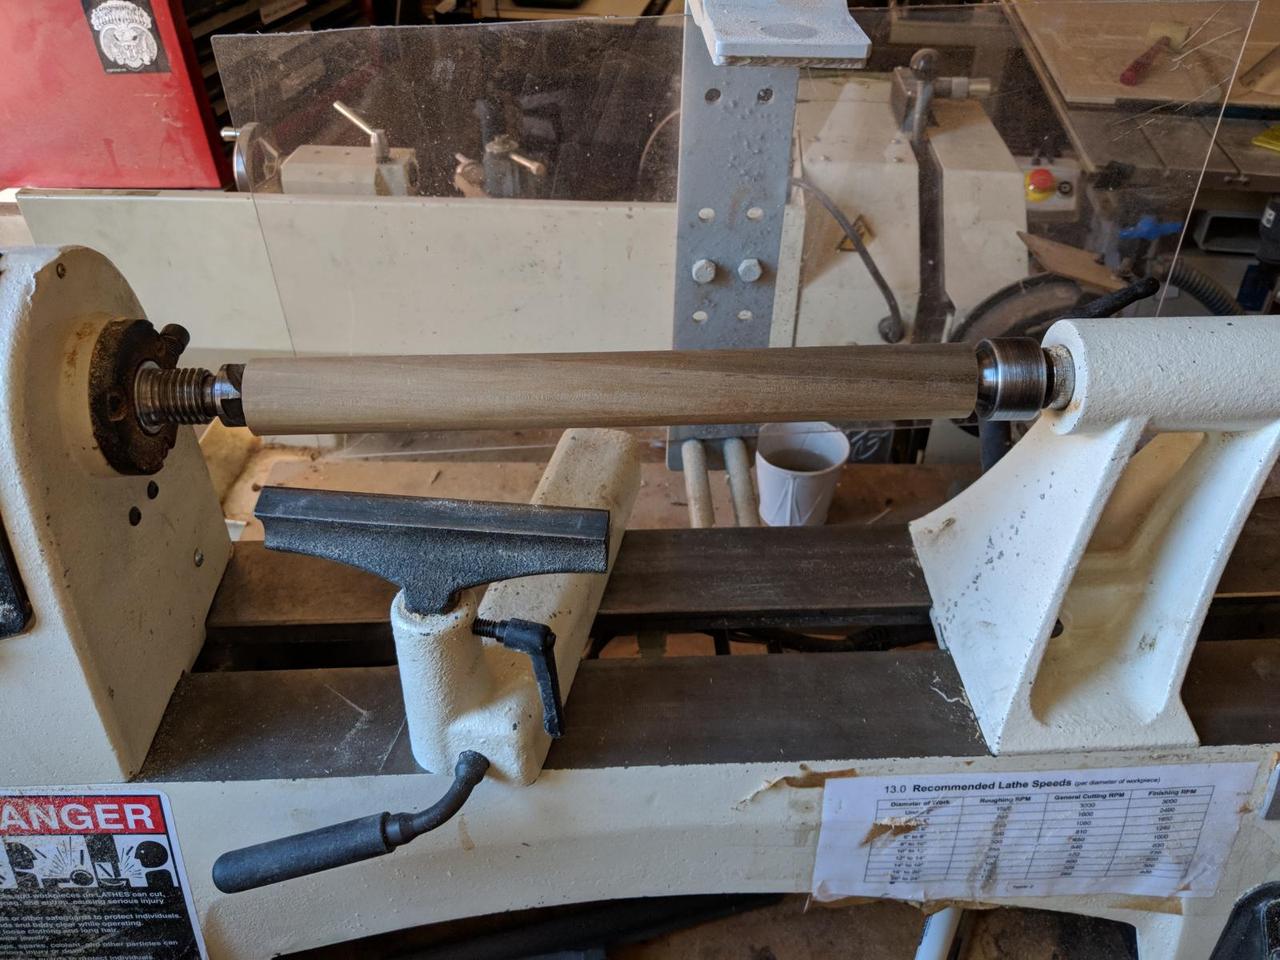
(1041, 184)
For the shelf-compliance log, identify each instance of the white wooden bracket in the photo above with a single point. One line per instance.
(808, 33)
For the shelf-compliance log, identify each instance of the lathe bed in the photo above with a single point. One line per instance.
(292, 639)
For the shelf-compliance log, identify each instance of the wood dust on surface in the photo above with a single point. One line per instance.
(867, 493)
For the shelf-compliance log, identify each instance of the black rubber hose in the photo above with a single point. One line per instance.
(342, 843)
(892, 329)
(1112, 303)
(1202, 287)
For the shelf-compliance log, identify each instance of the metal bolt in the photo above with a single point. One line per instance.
(750, 270)
(704, 271)
(490, 629)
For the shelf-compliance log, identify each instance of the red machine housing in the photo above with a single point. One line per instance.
(72, 116)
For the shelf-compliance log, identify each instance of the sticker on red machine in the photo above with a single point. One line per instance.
(126, 36)
(92, 874)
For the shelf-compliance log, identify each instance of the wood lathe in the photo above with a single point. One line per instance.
(114, 565)
(1048, 684)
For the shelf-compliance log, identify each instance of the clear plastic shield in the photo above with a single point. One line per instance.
(512, 187)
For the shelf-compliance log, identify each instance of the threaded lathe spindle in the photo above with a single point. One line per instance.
(184, 395)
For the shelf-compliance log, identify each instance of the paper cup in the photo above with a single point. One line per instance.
(797, 468)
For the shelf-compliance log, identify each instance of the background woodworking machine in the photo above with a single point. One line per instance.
(1068, 586)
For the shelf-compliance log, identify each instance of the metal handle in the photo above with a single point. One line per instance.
(538, 643)
(535, 167)
(377, 137)
(342, 843)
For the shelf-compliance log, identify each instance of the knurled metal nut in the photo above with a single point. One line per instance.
(704, 271)
(750, 270)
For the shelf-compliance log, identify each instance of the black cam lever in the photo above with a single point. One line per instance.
(537, 642)
(344, 843)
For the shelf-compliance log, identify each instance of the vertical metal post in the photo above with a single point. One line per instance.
(697, 484)
(735, 157)
(735, 161)
(746, 508)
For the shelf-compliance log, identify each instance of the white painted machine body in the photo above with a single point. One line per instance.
(118, 606)
(620, 832)
(642, 830)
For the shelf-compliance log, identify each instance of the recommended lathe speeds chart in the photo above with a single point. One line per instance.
(1151, 830)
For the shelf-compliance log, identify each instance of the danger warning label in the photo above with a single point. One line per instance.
(93, 875)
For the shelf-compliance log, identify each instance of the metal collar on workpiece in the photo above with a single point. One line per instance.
(1017, 379)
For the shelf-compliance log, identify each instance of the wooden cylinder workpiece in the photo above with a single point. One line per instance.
(655, 388)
